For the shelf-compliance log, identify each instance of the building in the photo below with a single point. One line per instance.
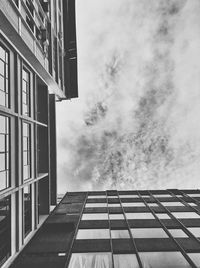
(120, 229)
(38, 66)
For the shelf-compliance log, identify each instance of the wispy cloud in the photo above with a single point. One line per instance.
(137, 122)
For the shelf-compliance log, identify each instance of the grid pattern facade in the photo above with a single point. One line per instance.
(119, 229)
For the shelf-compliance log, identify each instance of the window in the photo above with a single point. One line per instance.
(177, 233)
(93, 234)
(194, 195)
(25, 92)
(95, 216)
(136, 204)
(114, 205)
(27, 210)
(145, 215)
(163, 216)
(125, 261)
(5, 229)
(175, 204)
(195, 231)
(192, 204)
(163, 260)
(91, 260)
(186, 215)
(195, 258)
(26, 151)
(4, 152)
(92, 205)
(128, 196)
(4, 77)
(162, 195)
(119, 234)
(152, 204)
(148, 233)
(116, 216)
(96, 196)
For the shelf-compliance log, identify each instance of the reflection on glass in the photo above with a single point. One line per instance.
(152, 204)
(119, 234)
(27, 210)
(163, 260)
(144, 215)
(163, 216)
(162, 195)
(175, 204)
(136, 204)
(91, 260)
(195, 258)
(5, 230)
(125, 261)
(93, 234)
(92, 205)
(186, 215)
(128, 196)
(192, 204)
(114, 205)
(95, 216)
(26, 151)
(116, 216)
(177, 233)
(25, 92)
(148, 233)
(195, 231)
(96, 196)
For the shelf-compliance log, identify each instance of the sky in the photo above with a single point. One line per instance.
(136, 122)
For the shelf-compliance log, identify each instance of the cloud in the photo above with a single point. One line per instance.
(136, 124)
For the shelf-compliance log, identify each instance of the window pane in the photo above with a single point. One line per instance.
(194, 195)
(120, 234)
(93, 234)
(145, 215)
(195, 257)
(91, 260)
(125, 261)
(92, 205)
(96, 196)
(175, 204)
(163, 216)
(195, 231)
(162, 195)
(186, 215)
(114, 205)
(128, 196)
(192, 204)
(153, 204)
(148, 233)
(116, 216)
(2, 162)
(177, 233)
(26, 151)
(27, 210)
(26, 92)
(163, 260)
(95, 216)
(136, 204)
(5, 229)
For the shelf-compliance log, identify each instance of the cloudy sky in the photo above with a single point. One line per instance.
(136, 123)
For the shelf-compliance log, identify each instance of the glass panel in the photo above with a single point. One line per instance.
(93, 234)
(175, 204)
(163, 260)
(5, 229)
(95, 216)
(27, 210)
(186, 215)
(136, 204)
(96, 196)
(26, 92)
(195, 231)
(162, 195)
(128, 196)
(163, 216)
(92, 205)
(119, 234)
(144, 215)
(26, 151)
(3, 180)
(177, 233)
(2, 124)
(125, 261)
(91, 260)
(194, 195)
(2, 162)
(114, 205)
(192, 204)
(153, 204)
(195, 257)
(116, 216)
(148, 233)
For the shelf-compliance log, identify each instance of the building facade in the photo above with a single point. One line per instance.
(119, 229)
(38, 67)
